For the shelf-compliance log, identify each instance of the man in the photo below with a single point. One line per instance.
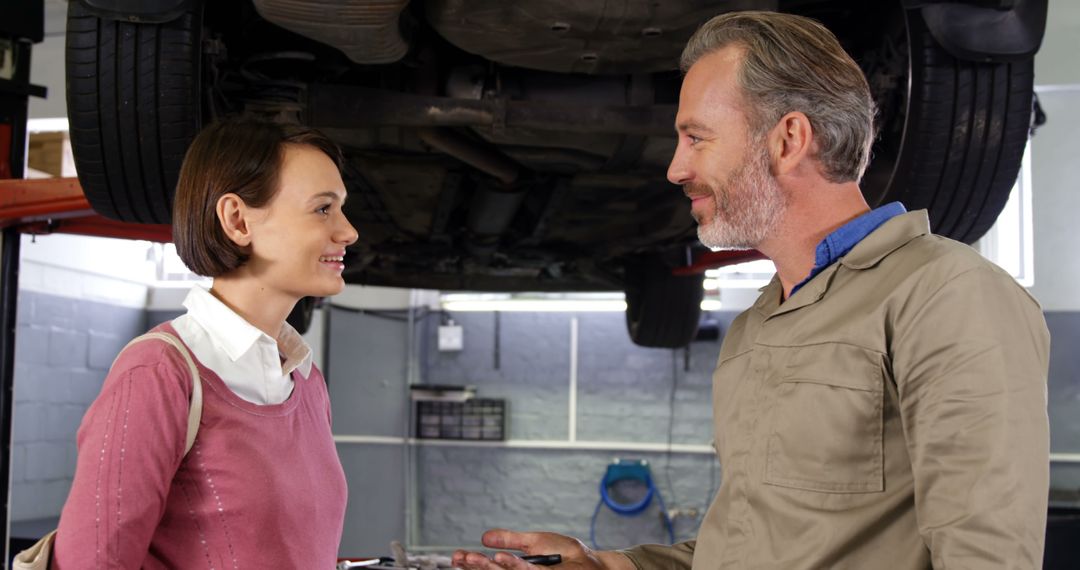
(883, 403)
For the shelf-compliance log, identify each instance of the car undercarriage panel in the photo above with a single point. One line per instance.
(585, 36)
(367, 31)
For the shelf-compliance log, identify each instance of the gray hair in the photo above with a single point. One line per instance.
(793, 63)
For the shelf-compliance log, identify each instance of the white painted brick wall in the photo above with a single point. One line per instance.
(469, 490)
(624, 393)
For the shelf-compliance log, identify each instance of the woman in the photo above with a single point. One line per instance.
(258, 208)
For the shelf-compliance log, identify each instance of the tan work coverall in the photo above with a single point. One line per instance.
(891, 414)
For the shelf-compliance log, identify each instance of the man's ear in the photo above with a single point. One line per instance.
(232, 214)
(791, 142)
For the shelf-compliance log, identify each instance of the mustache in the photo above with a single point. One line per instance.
(694, 189)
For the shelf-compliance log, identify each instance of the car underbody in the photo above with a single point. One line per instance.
(522, 146)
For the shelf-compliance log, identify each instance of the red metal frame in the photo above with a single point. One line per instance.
(58, 205)
(5, 150)
(713, 259)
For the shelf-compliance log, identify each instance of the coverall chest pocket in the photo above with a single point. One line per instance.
(827, 424)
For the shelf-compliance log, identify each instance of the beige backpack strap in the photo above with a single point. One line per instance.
(195, 410)
(37, 556)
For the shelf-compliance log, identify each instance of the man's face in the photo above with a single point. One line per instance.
(723, 168)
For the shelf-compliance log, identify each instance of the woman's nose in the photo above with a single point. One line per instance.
(347, 234)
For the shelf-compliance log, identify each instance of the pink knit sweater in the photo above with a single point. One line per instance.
(261, 488)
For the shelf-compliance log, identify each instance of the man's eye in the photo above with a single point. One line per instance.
(693, 140)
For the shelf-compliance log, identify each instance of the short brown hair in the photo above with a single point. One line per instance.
(793, 63)
(242, 156)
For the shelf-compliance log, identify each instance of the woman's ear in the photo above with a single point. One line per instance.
(232, 213)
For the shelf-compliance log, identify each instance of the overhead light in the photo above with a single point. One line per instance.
(711, 305)
(574, 302)
(746, 270)
(539, 305)
(553, 306)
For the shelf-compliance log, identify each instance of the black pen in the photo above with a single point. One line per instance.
(543, 559)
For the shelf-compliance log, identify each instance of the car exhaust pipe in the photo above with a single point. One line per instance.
(493, 206)
(490, 214)
(481, 158)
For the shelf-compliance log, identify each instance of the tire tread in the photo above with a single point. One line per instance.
(132, 93)
(964, 139)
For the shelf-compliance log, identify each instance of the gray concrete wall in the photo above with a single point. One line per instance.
(63, 349)
(155, 318)
(1056, 62)
(1055, 201)
(625, 394)
(624, 391)
(366, 375)
(47, 64)
(466, 491)
(1064, 401)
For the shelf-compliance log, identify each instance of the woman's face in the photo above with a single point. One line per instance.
(298, 240)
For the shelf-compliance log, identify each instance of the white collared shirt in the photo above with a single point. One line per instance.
(252, 364)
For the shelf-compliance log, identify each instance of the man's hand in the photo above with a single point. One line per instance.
(574, 553)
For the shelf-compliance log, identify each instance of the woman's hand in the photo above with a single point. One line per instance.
(575, 555)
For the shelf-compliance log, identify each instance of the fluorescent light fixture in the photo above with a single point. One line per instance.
(557, 303)
(747, 275)
(745, 270)
(711, 305)
(538, 305)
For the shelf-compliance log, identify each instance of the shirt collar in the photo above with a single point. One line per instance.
(846, 237)
(888, 239)
(296, 350)
(234, 336)
(893, 234)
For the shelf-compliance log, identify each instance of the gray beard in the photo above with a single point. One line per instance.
(749, 207)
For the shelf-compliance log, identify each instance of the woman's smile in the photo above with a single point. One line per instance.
(335, 262)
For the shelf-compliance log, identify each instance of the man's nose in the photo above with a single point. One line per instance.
(678, 171)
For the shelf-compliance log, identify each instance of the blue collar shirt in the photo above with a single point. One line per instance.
(847, 236)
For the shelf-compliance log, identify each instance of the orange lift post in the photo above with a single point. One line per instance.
(57, 205)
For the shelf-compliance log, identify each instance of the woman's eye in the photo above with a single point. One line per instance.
(325, 210)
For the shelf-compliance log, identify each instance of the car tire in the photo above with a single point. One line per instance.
(956, 145)
(133, 106)
(662, 310)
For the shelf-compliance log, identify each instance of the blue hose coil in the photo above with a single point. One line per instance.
(633, 471)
